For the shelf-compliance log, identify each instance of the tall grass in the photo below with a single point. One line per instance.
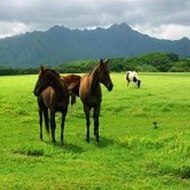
(132, 153)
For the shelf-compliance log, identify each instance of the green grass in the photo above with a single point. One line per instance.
(131, 153)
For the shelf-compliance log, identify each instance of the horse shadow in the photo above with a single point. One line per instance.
(104, 142)
(72, 148)
(67, 147)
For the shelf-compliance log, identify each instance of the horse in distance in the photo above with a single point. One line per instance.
(53, 96)
(132, 76)
(91, 95)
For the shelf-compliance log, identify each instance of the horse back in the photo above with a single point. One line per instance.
(72, 81)
(71, 78)
(132, 76)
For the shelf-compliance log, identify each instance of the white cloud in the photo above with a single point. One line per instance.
(172, 31)
(12, 28)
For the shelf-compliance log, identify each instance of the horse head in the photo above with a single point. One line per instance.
(44, 80)
(104, 75)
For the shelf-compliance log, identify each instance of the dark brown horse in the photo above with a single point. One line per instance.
(73, 82)
(53, 96)
(91, 95)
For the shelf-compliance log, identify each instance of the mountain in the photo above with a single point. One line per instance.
(60, 45)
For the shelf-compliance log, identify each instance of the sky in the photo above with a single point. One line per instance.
(163, 19)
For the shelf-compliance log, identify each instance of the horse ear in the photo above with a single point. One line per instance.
(42, 67)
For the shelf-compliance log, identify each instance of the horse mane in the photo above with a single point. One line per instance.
(94, 73)
(43, 67)
(55, 72)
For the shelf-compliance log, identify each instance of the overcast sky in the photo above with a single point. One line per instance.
(165, 19)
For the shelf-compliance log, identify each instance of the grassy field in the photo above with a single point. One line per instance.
(131, 155)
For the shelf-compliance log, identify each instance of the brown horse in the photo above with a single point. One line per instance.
(91, 95)
(73, 82)
(52, 96)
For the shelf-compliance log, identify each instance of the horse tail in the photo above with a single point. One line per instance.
(43, 111)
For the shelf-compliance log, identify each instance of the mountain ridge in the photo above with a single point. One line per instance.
(59, 45)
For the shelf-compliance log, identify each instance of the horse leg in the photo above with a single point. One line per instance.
(73, 99)
(63, 125)
(53, 126)
(87, 113)
(46, 118)
(40, 111)
(128, 81)
(96, 122)
(41, 122)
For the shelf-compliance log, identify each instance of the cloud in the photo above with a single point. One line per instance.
(172, 31)
(12, 28)
(149, 15)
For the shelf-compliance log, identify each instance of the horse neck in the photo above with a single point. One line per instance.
(59, 86)
(94, 78)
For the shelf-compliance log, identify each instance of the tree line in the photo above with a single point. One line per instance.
(154, 62)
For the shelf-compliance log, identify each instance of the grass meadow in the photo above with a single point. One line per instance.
(132, 153)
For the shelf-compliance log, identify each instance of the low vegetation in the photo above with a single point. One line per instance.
(132, 153)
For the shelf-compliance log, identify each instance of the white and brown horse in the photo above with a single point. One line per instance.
(132, 76)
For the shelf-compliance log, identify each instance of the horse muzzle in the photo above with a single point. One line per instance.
(110, 87)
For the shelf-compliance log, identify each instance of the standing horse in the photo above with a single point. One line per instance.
(91, 95)
(52, 96)
(133, 76)
(73, 82)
